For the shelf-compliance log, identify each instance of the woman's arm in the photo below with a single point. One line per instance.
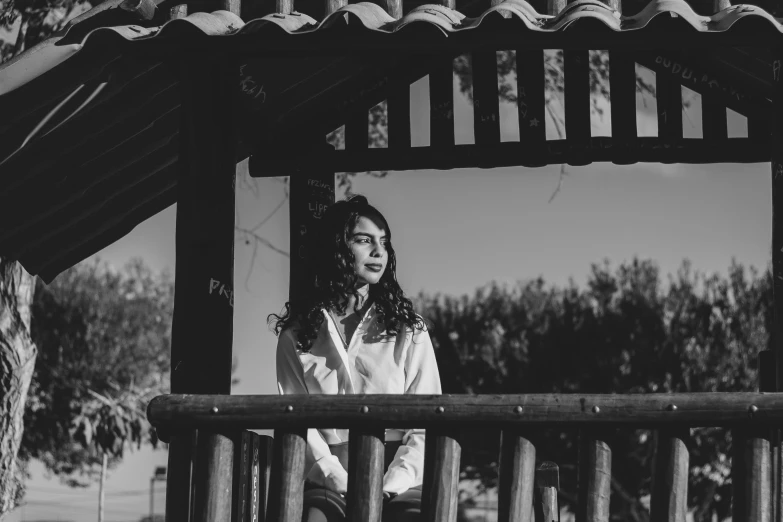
(326, 470)
(421, 377)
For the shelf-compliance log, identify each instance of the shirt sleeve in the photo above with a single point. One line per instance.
(421, 377)
(325, 470)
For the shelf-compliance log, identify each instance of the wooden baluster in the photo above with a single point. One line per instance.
(357, 128)
(517, 467)
(365, 475)
(669, 100)
(263, 448)
(178, 476)
(758, 128)
(595, 477)
(283, 6)
(442, 101)
(287, 481)
(577, 97)
(486, 118)
(213, 477)
(766, 367)
(669, 502)
(622, 88)
(714, 122)
(751, 475)
(441, 477)
(530, 97)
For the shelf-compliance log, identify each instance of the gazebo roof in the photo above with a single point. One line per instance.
(88, 138)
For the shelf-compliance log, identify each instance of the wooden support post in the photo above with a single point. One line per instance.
(311, 193)
(286, 489)
(517, 468)
(451, 4)
(530, 97)
(441, 477)
(577, 97)
(758, 128)
(213, 477)
(669, 100)
(776, 145)
(365, 475)
(357, 128)
(202, 327)
(669, 502)
(486, 118)
(595, 477)
(442, 101)
(283, 6)
(622, 89)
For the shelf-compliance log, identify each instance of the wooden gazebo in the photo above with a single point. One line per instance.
(139, 104)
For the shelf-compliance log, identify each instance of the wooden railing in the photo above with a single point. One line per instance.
(222, 420)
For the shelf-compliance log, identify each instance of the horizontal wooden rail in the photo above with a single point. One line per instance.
(178, 412)
(652, 150)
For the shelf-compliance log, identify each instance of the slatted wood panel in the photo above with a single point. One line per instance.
(669, 106)
(622, 89)
(751, 475)
(213, 477)
(398, 105)
(713, 118)
(486, 117)
(441, 102)
(577, 96)
(530, 97)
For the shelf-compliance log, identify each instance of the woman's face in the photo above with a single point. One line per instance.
(368, 244)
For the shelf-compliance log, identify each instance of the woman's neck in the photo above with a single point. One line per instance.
(353, 303)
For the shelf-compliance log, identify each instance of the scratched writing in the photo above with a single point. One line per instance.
(319, 184)
(222, 290)
(689, 75)
(776, 70)
(362, 93)
(317, 208)
(249, 85)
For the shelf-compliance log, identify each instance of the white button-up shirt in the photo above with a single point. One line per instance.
(373, 363)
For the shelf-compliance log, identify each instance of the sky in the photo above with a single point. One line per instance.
(455, 231)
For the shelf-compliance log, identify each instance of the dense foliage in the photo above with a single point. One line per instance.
(626, 332)
(103, 350)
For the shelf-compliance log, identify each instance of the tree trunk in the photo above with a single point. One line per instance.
(104, 463)
(17, 361)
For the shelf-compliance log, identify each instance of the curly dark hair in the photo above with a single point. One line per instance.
(332, 277)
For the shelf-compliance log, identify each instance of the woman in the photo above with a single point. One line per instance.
(354, 331)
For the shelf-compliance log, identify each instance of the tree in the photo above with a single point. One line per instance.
(624, 333)
(103, 339)
(17, 360)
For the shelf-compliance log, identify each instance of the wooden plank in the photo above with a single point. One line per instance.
(212, 478)
(751, 475)
(309, 196)
(736, 150)
(622, 89)
(669, 106)
(486, 118)
(201, 357)
(714, 122)
(576, 65)
(357, 128)
(759, 128)
(288, 471)
(516, 472)
(398, 106)
(365, 475)
(242, 479)
(595, 477)
(669, 502)
(265, 411)
(441, 102)
(441, 477)
(530, 97)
